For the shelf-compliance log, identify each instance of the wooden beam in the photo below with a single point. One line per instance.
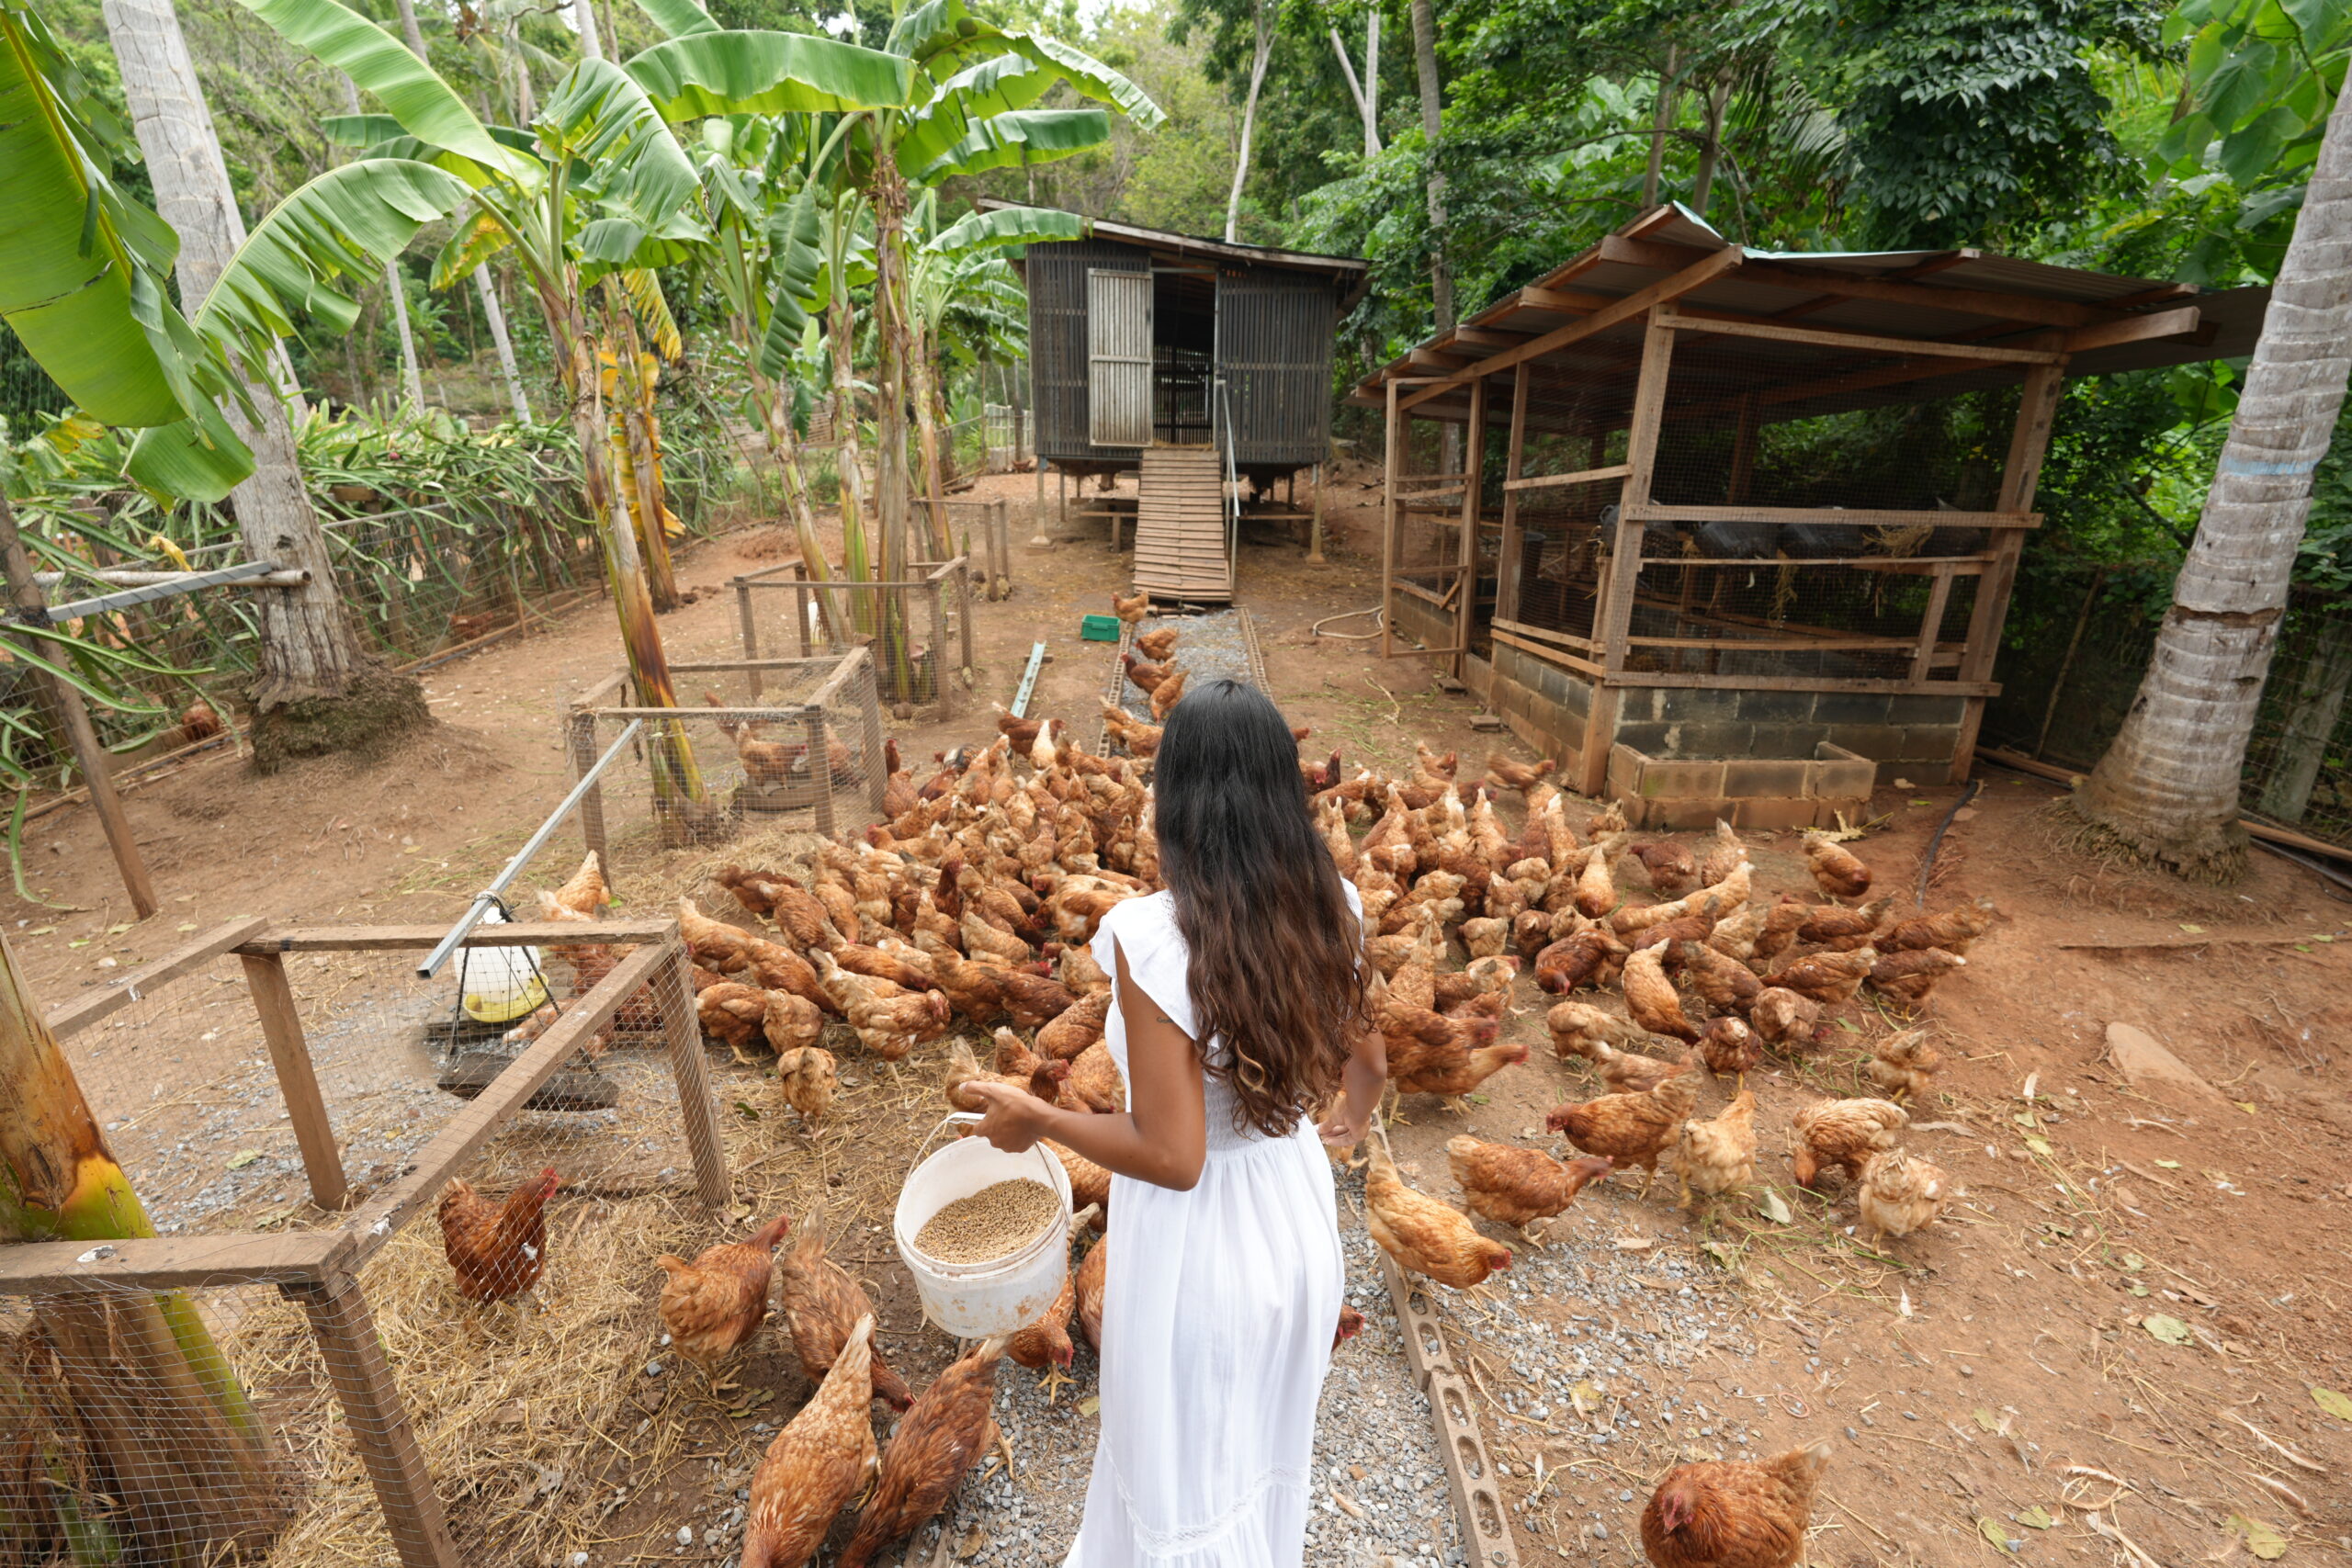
(1717, 325)
(1473, 471)
(405, 939)
(1599, 735)
(1804, 683)
(1561, 301)
(298, 1082)
(1489, 337)
(2027, 308)
(1518, 638)
(1629, 252)
(169, 1263)
(86, 1010)
(2178, 322)
(1510, 555)
(1860, 516)
(1435, 359)
(1615, 613)
(431, 1167)
(682, 1031)
(377, 1420)
(1393, 469)
(1931, 625)
(1698, 275)
(1556, 481)
(2020, 474)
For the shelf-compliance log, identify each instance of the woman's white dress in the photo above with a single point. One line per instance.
(1217, 1316)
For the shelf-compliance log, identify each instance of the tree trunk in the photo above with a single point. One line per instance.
(2168, 784)
(2312, 709)
(1661, 123)
(127, 1393)
(889, 198)
(412, 383)
(637, 453)
(1261, 52)
(1365, 93)
(849, 469)
(923, 393)
(315, 692)
(583, 15)
(1432, 130)
(496, 314)
(1711, 148)
(784, 448)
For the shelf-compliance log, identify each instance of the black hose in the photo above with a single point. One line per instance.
(1928, 862)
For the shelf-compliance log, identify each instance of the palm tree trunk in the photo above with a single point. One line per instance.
(315, 689)
(1262, 51)
(2169, 786)
(129, 1390)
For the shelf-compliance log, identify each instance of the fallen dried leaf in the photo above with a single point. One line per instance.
(2335, 1404)
(2037, 1517)
(243, 1158)
(1991, 1530)
(2171, 1330)
(2260, 1539)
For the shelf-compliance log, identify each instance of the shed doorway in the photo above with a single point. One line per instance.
(1183, 357)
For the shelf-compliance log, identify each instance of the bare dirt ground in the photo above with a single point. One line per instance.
(2106, 1352)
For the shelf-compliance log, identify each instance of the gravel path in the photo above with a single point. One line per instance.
(1214, 647)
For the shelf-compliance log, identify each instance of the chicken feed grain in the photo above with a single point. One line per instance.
(995, 1222)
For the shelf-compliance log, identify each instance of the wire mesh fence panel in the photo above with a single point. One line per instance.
(916, 630)
(152, 1427)
(783, 744)
(1427, 496)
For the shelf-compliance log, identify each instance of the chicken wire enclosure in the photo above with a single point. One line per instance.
(223, 1394)
(778, 744)
(1708, 503)
(917, 630)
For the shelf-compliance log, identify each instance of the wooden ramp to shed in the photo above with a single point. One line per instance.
(1180, 528)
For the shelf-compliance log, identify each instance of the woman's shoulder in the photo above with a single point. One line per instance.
(1146, 913)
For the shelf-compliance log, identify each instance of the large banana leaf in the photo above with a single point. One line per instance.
(679, 19)
(993, 86)
(379, 63)
(629, 163)
(1090, 76)
(70, 286)
(795, 263)
(763, 72)
(349, 221)
(1022, 137)
(1008, 226)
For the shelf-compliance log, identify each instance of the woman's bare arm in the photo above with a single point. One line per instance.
(1360, 1085)
(1161, 1138)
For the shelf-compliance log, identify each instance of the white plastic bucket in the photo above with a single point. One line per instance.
(973, 1301)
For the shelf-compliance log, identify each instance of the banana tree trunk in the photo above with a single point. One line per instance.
(924, 394)
(316, 690)
(636, 452)
(857, 561)
(2169, 786)
(889, 195)
(149, 1448)
(784, 448)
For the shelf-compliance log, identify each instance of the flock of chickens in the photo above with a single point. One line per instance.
(971, 909)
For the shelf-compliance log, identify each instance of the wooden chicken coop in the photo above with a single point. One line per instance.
(1757, 512)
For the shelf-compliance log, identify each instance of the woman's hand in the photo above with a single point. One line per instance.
(1344, 1128)
(1013, 1119)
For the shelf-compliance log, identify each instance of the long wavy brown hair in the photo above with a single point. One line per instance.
(1277, 976)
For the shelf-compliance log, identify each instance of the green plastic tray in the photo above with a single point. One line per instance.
(1099, 628)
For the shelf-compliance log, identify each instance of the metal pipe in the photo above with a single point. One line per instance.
(491, 894)
(124, 578)
(182, 582)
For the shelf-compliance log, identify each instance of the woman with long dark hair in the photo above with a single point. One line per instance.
(1239, 1008)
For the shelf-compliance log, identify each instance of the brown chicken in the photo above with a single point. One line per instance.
(1451, 1074)
(1422, 1235)
(1899, 1193)
(585, 893)
(889, 1025)
(1576, 1027)
(1827, 977)
(1033, 1000)
(1718, 1156)
(1836, 926)
(1093, 1280)
(1651, 1000)
(731, 1014)
(1046, 1345)
(1504, 773)
(1780, 1017)
(1955, 929)
(938, 1443)
(1842, 1134)
(1632, 1129)
(1351, 1324)
(1724, 856)
(497, 1250)
(1095, 1081)
(1131, 609)
(1718, 980)
(1909, 976)
(964, 1070)
(821, 1303)
(1630, 1072)
(823, 1457)
(1075, 1027)
(1517, 1187)
(1837, 871)
(1730, 1514)
(880, 963)
(1145, 676)
(713, 1305)
(1596, 890)
(791, 1023)
(1904, 1064)
(1022, 732)
(1729, 1048)
(1157, 645)
(1166, 695)
(805, 1079)
(1123, 728)
(1582, 958)
(1672, 871)
(1090, 1184)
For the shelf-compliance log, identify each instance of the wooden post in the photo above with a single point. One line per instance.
(289, 1053)
(2029, 442)
(592, 805)
(1473, 485)
(1507, 560)
(750, 624)
(1614, 616)
(378, 1421)
(820, 772)
(1931, 623)
(964, 607)
(939, 646)
(869, 707)
(675, 984)
(1392, 464)
(89, 755)
(1315, 532)
(800, 616)
(1038, 511)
